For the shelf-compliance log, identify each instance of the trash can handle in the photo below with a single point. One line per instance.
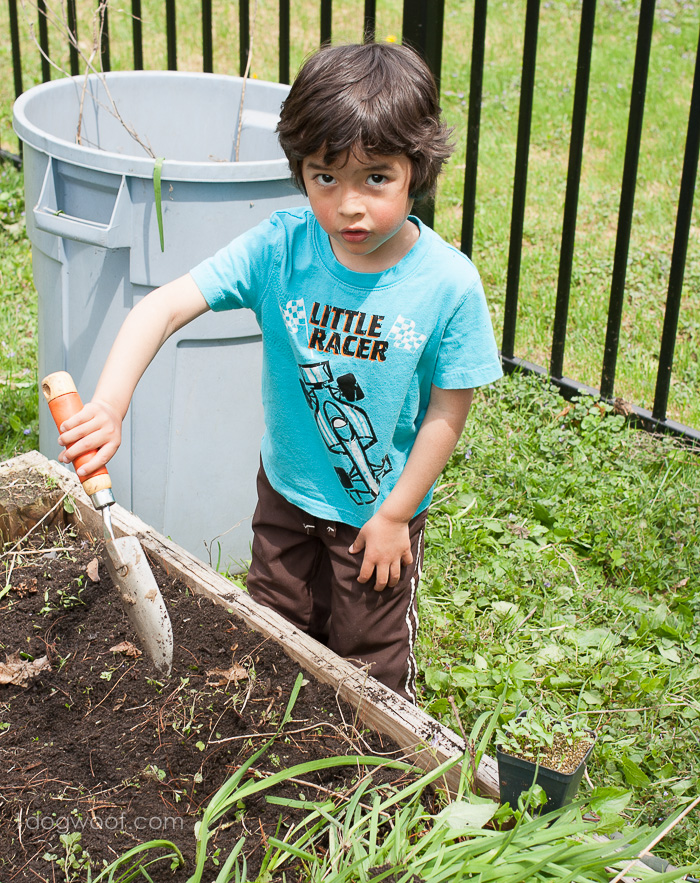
(115, 234)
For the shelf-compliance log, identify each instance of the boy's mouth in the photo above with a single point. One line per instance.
(354, 235)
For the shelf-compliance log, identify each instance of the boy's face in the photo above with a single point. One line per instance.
(363, 203)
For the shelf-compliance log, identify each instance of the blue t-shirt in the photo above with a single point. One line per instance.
(349, 358)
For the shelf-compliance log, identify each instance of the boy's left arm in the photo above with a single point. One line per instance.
(384, 538)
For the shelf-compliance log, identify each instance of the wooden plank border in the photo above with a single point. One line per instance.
(423, 739)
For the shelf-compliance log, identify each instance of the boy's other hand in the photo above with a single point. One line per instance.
(387, 546)
(97, 427)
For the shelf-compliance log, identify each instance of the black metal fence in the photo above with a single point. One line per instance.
(423, 22)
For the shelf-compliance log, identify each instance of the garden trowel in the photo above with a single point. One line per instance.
(126, 561)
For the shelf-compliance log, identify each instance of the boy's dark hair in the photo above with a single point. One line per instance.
(373, 98)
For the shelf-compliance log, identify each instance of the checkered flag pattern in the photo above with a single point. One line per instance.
(294, 315)
(403, 335)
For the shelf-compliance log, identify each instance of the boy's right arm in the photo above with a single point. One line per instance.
(145, 330)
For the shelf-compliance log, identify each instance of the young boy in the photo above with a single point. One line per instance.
(375, 332)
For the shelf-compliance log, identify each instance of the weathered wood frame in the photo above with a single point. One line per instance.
(32, 489)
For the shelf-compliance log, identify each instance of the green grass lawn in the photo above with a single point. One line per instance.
(19, 402)
(562, 567)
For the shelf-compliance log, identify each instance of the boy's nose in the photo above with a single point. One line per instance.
(351, 203)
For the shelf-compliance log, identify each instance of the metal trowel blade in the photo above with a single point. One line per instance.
(141, 598)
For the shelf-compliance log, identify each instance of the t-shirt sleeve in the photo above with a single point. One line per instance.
(236, 276)
(468, 355)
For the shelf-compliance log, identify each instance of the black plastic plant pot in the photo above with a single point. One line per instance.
(516, 775)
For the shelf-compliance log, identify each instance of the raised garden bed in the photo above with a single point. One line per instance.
(92, 742)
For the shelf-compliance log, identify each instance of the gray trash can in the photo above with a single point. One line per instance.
(190, 447)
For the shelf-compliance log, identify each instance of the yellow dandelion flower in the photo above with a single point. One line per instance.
(391, 38)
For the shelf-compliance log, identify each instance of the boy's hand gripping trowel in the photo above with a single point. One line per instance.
(126, 562)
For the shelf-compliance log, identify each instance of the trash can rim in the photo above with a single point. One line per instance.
(142, 166)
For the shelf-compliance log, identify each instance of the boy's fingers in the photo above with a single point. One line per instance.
(71, 422)
(394, 575)
(382, 578)
(92, 465)
(365, 573)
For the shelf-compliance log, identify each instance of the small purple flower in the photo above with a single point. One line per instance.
(27, 432)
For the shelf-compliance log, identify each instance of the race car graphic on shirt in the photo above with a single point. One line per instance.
(345, 429)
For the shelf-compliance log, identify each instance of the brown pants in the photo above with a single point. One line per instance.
(301, 568)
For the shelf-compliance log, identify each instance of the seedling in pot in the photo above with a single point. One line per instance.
(535, 736)
(533, 749)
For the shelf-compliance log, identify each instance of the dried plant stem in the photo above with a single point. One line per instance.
(60, 23)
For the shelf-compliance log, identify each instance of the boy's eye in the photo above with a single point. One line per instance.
(325, 179)
(377, 179)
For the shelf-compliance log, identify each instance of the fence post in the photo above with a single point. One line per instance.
(369, 28)
(14, 40)
(422, 29)
(103, 13)
(207, 38)
(284, 41)
(680, 248)
(171, 25)
(527, 88)
(43, 41)
(243, 35)
(476, 80)
(573, 180)
(629, 183)
(326, 20)
(72, 17)
(137, 34)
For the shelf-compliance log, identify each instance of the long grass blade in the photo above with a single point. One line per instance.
(157, 172)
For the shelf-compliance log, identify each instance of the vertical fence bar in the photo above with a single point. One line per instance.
(103, 13)
(573, 180)
(284, 41)
(423, 22)
(476, 80)
(171, 33)
(16, 51)
(527, 87)
(72, 36)
(243, 35)
(43, 40)
(137, 34)
(207, 38)
(680, 248)
(629, 182)
(369, 28)
(326, 21)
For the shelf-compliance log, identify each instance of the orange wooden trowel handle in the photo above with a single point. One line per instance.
(64, 401)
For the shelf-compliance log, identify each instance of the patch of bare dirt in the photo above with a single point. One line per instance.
(93, 743)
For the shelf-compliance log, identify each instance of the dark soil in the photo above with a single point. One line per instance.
(97, 744)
